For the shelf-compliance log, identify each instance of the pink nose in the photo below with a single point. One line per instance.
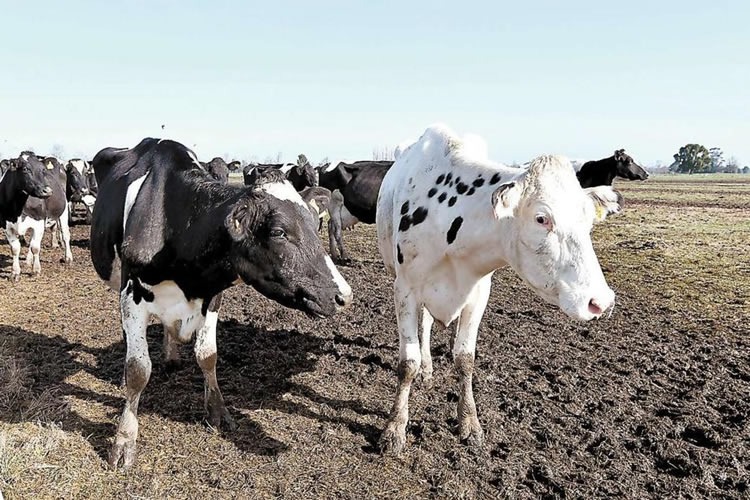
(595, 307)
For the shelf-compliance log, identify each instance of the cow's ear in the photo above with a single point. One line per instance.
(606, 200)
(505, 198)
(242, 220)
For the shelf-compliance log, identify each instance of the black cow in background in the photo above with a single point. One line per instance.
(22, 178)
(218, 169)
(603, 172)
(354, 198)
(20, 184)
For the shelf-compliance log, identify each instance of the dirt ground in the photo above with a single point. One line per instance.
(652, 402)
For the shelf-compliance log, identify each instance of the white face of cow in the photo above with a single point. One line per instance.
(553, 217)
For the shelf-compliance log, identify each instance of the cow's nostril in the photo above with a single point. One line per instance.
(340, 300)
(595, 308)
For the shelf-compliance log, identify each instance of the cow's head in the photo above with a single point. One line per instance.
(552, 218)
(32, 180)
(276, 249)
(76, 186)
(307, 175)
(626, 168)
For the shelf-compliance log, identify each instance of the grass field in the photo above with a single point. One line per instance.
(652, 402)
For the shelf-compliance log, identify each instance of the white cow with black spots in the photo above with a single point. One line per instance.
(447, 218)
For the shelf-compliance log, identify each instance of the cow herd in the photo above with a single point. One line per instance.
(170, 234)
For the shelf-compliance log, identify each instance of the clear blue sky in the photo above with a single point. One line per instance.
(340, 78)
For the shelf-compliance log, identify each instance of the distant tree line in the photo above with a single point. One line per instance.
(696, 158)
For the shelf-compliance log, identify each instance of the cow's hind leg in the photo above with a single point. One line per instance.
(205, 354)
(424, 345)
(393, 438)
(170, 348)
(137, 373)
(54, 233)
(65, 236)
(464, 348)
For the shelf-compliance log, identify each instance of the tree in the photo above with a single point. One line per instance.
(691, 159)
(383, 153)
(717, 159)
(732, 166)
(746, 170)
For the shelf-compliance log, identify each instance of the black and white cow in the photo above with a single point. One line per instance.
(603, 172)
(353, 199)
(23, 177)
(171, 240)
(301, 175)
(37, 212)
(447, 219)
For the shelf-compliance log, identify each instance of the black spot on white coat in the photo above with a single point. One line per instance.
(453, 231)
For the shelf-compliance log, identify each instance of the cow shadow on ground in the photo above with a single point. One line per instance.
(256, 368)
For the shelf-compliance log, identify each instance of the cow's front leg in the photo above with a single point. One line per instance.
(205, 353)
(35, 247)
(393, 438)
(464, 348)
(11, 233)
(137, 373)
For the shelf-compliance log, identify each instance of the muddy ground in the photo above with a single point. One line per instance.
(652, 402)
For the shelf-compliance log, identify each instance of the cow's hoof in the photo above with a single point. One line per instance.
(15, 278)
(393, 440)
(425, 375)
(124, 451)
(470, 433)
(68, 260)
(218, 415)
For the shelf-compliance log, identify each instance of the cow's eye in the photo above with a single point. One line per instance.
(543, 220)
(277, 232)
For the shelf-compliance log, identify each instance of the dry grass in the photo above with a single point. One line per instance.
(652, 403)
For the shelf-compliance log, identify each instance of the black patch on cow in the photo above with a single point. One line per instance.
(470, 192)
(458, 179)
(405, 208)
(419, 215)
(461, 188)
(442, 197)
(405, 223)
(139, 292)
(411, 181)
(399, 255)
(453, 231)
(478, 182)
(440, 179)
(448, 177)
(432, 192)
(452, 201)
(495, 178)
(451, 184)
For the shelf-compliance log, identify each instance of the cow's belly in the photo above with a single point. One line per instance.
(174, 310)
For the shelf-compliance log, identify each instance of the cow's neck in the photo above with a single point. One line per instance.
(13, 198)
(487, 243)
